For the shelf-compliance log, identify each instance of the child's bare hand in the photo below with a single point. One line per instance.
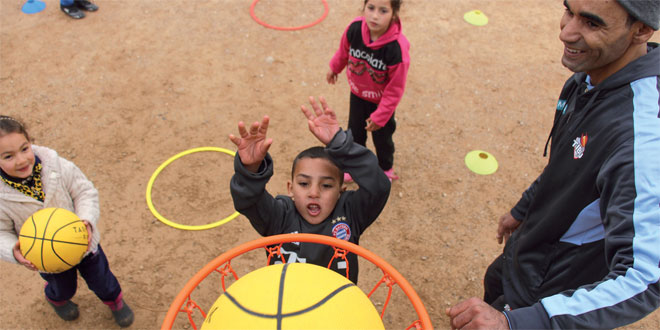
(323, 121)
(21, 260)
(371, 126)
(90, 231)
(331, 77)
(253, 144)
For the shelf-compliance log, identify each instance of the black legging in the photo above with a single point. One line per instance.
(382, 138)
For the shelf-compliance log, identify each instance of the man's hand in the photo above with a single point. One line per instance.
(253, 144)
(474, 313)
(507, 226)
(322, 122)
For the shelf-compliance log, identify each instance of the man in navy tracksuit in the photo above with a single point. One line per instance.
(583, 243)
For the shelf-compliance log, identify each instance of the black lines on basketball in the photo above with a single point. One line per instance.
(279, 315)
(43, 237)
(320, 302)
(53, 241)
(209, 317)
(280, 295)
(34, 226)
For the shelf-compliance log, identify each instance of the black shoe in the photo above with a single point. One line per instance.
(73, 11)
(67, 312)
(124, 316)
(85, 5)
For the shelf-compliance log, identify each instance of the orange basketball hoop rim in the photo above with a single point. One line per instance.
(390, 275)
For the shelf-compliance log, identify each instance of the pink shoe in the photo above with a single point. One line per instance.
(347, 178)
(390, 174)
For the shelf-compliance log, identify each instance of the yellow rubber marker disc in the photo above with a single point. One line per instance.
(476, 17)
(481, 162)
(161, 167)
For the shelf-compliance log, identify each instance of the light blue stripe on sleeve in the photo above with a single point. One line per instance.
(646, 215)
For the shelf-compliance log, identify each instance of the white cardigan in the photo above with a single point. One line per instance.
(65, 186)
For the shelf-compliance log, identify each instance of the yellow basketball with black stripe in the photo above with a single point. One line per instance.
(53, 239)
(293, 296)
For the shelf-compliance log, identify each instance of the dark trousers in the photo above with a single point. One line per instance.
(382, 138)
(493, 289)
(94, 269)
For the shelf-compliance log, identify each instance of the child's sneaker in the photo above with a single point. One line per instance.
(347, 178)
(390, 174)
(124, 315)
(67, 311)
(73, 11)
(85, 5)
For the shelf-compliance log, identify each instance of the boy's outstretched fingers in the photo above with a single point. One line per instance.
(236, 140)
(323, 122)
(325, 107)
(252, 143)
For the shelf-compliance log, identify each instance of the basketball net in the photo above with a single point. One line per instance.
(183, 302)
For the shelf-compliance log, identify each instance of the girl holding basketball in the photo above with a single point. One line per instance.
(33, 178)
(376, 53)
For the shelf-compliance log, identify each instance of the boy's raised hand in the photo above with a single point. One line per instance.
(253, 144)
(322, 121)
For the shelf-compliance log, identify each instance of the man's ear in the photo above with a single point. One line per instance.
(641, 33)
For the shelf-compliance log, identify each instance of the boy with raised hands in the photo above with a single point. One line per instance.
(317, 200)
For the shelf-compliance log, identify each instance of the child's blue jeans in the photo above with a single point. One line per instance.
(94, 269)
(66, 2)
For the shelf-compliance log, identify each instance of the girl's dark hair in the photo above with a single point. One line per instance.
(317, 152)
(395, 4)
(10, 125)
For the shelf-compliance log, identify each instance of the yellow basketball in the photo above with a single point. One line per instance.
(53, 239)
(293, 296)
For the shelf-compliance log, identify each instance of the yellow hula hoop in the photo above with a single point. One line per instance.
(161, 167)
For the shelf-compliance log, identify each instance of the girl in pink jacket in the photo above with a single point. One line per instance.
(34, 178)
(376, 53)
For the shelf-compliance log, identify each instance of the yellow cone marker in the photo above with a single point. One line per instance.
(476, 17)
(481, 162)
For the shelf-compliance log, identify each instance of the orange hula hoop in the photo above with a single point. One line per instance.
(282, 28)
(184, 295)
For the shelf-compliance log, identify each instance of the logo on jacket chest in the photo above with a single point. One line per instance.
(579, 146)
(340, 229)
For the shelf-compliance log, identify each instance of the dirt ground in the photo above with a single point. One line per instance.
(137, 82)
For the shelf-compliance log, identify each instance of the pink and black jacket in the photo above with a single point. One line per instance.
(376, 70)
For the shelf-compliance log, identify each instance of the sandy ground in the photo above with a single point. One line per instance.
(139, 81)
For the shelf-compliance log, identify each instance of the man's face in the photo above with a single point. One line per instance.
(596, 37)
(315, 188)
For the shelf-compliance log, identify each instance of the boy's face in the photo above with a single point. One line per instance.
(315, 188)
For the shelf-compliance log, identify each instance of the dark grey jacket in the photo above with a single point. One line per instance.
(587, 254)
(354, 212)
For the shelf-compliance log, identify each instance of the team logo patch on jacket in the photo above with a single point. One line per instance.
(579, 145)
(341, 231)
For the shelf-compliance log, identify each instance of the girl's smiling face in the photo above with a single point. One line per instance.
(16, 155)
